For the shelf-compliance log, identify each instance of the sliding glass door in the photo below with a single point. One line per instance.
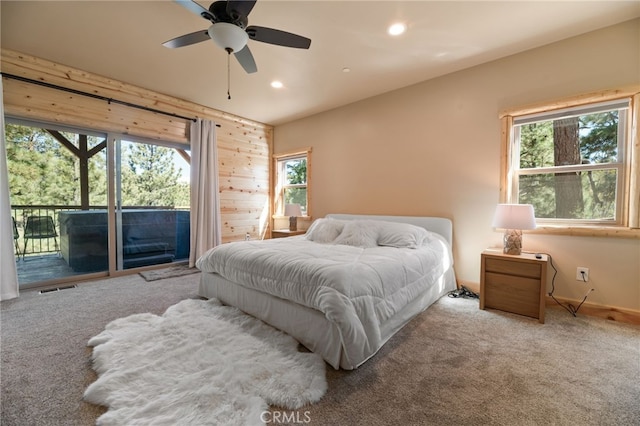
(57, 177)
(152, 204)
(85, 202)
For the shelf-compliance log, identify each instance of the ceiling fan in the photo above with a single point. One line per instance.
(229, 30)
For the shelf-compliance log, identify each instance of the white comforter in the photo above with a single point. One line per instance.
(357, 289)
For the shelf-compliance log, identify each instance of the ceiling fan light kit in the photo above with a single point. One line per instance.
(228, 36)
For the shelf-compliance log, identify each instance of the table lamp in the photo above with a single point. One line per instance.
(293, 211)
(513, 218)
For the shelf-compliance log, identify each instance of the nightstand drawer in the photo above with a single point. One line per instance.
(512, 268)
(509, 293)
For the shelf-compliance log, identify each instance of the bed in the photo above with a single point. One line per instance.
(342, 289)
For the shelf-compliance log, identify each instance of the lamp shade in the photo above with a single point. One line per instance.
(228, 36)
(514, 216)
(292, 210)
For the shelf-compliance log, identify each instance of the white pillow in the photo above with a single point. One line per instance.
(324, 230)
(401, 235)
(359, 233)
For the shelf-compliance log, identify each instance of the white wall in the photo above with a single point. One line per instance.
(434, 149)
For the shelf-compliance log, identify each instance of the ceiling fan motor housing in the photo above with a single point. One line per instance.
(222, 13)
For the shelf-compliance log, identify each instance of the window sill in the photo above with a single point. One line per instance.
(588, 231)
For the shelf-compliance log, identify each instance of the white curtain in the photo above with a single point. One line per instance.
(206, 228)
(8, 273)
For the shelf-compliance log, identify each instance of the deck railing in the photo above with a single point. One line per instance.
(21, 213)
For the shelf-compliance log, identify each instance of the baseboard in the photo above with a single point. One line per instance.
(611, 313)
(600, 311)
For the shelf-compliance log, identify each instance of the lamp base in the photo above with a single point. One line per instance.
(512, 241)
(293, 223)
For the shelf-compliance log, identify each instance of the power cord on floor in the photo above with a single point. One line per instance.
(573, 310)
(462, 292)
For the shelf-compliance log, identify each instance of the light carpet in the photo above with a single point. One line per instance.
(199, 363)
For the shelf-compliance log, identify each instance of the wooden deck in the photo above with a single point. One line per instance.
(50, 269)
(42, 268)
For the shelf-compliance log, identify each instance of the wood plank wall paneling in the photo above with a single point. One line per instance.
(244, 146)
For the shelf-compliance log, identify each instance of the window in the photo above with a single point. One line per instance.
(291, 181)
(569, 163)
(574, 162)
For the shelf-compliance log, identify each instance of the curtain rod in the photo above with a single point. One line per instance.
(94, 96)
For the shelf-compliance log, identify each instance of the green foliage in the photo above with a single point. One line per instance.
(598, 145)
(296, 171)
(296, 174)
(599, 137)
(150, 177)
(183, 195)
(42, 171)
(536, 145)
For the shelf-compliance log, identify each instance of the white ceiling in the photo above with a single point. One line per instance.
(123, 40)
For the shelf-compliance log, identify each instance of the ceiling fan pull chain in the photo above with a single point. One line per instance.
(228, 74)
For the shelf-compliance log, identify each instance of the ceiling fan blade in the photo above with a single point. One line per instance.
(278, 37)
(187, 39)
(237, 8)
(245, 58)
(194, 7)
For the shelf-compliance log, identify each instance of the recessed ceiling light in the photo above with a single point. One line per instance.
(277, 84)
(397, 29)
(346, 69)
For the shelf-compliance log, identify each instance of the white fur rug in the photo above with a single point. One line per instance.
(199, 363)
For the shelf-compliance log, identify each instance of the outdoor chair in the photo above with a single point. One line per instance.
(39, 228)
(16, 236)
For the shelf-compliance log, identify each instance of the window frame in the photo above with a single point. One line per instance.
(627, 223)
(278, 180)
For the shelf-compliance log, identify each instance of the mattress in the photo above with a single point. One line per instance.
(341, 299)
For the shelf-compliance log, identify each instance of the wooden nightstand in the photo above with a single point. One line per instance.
(282, 233)
(514, 284)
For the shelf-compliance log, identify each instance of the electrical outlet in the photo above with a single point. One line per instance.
(582, 274)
